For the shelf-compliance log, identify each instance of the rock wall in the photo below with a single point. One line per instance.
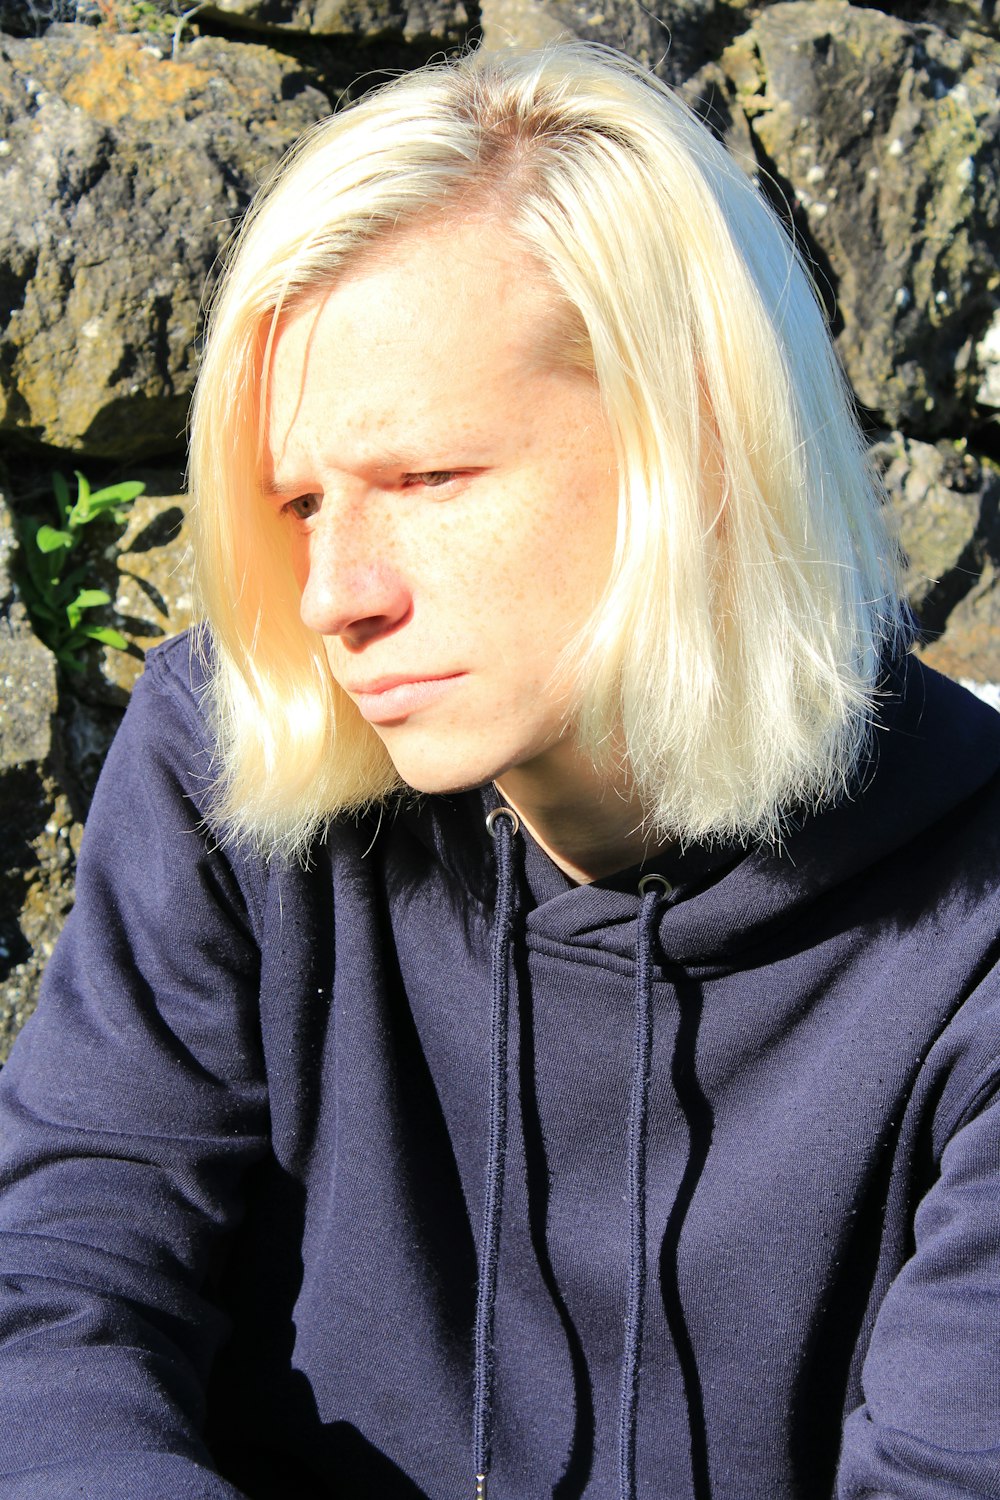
(128, 155)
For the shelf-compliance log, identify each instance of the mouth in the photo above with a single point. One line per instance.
(389, 699)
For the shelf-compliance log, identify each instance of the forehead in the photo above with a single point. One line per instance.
(434, 329)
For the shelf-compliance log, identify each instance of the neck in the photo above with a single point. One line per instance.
(589, 824)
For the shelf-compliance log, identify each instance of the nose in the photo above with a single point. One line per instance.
(351, 588)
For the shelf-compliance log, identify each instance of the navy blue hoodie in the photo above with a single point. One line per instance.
(245, 1145)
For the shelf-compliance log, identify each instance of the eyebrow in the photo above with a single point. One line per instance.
(273, 488)
(389, 460)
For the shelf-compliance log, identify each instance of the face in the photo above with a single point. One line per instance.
(451, 501)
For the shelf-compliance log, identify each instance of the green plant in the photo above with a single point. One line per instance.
(154, 17)
(55, 592)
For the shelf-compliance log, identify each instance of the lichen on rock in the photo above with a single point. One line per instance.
(36, 876)
(946, 501)
(884, 139)
(123, 176)
(444, 21)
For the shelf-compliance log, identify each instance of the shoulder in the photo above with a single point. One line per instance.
(174, 687)
(933, 719)
(933, 772)
(152, 807)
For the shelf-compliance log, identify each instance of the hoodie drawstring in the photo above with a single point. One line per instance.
(651, 888)
(503, 824)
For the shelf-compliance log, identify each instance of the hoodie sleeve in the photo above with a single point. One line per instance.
(929, 1428)
(129, 1111)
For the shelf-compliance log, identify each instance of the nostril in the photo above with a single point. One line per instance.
(357, 604)
(362, 632)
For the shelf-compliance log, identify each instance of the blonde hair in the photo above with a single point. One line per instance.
(733, 659)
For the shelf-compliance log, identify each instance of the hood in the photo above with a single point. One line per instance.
(934, 747)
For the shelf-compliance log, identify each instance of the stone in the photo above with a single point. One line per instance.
(674, 38)
(27, 669)
(946, 501)
(445, 22)
(983, 15)
(123, 173)
(883, 138)
(151, 584)
(32, 17)
(37, 826)
(988, 361)
(143, 564)
(969, 647)
(27, 675)
(46, 896)
(54, 734)
(145, 567)
(521, 23)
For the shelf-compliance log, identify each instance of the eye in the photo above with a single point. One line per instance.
(302, 507)
(432, 479)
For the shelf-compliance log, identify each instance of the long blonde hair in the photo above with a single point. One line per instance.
(734, 656)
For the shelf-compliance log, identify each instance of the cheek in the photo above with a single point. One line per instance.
(298, 557)
(576, 551)
(549, 584)
(285, 560)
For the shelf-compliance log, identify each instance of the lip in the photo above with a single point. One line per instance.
(390, 698)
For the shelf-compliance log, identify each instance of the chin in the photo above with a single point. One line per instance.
(445, 776)
(445, 783)
(443, 765)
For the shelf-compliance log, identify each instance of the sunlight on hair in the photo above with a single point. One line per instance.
(733, 662)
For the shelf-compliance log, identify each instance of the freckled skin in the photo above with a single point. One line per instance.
(453, 502)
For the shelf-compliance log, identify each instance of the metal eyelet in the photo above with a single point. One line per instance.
(648, 881)
(502, 812)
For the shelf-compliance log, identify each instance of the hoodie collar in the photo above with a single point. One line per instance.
(933, 746)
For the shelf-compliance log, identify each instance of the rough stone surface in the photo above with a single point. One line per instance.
(146, 570)
(945, 501)
(27, 669)
(521, 23)
(36, 871)
(672, 38)
(53, 738)
(954, 15)
(122, 175)
(42, 886)
(947, 505)
(444, 21)
(885, 138)
(152, 599)
(969, 648)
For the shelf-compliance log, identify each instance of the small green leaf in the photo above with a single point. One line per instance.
(90, 598)
(85, 599)
(118, 494)
(64, 592)
(81, 513)
(55, 592)
(48, 539)
(106, 635)
(61, 491)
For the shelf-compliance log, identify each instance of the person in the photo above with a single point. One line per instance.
(528, 1019)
